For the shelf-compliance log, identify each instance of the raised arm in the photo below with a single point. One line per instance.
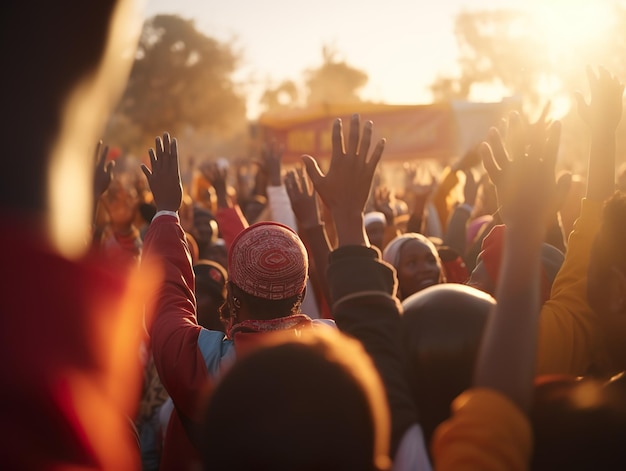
(602, 115)
(230, 219)
(174, 331)
(506, 362)
(362, 288)
(489, 428)
(568, 325)
(304, 204)
(103, 173)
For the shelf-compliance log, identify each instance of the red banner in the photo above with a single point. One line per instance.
(413, 132)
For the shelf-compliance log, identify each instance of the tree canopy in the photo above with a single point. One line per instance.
(530, 57)
(334, 81)
(181, 80)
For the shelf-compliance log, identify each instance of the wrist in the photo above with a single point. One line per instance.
(166, 212)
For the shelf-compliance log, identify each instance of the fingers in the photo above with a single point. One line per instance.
(376, 155)
(291, 185)
(497, 158)
(353, 138)
(153, 158)
(366, 139)
(516, 140)
(337, 142)
(551, 150)
(313, 169)
(303, 181)
(488, 162)
(166, 144)
(146, 171)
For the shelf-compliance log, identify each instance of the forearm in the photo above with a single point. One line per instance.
(455, 235)
(317, 242)
(601, 171)
(174, 331)
(506, 361)
(280, 206)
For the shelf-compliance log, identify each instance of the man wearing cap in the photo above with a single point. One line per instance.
(267, 265)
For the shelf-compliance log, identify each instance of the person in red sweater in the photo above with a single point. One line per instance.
(268, 270)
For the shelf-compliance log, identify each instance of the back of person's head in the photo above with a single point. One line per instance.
(69, 62)
(268, 269)
(210, 293)
(578, 424)
(441, 334)
(312, 403)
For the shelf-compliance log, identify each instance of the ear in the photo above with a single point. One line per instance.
(617, 302)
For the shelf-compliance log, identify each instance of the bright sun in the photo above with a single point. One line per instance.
(574, 22)
(575, 34)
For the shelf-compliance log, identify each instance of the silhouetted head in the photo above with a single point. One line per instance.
(578, 424)
(313, 403)
(442, 327)
(206, 229)
(416, 261)
(69, 62)
(374, 223)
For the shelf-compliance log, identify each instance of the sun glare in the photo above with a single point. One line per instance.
(567, 24)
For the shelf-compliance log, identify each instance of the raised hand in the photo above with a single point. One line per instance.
(164, 176)
(303, 199)
(506, 361)
(526, 186)
(217, 176)
(346, 186)
(103, 173)
(602, 115)
(604, 111)
(383, 203)
(415, 184)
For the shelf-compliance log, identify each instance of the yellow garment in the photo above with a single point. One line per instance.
(567, 325)
(486, 432)
(443, 198)
(201, 191)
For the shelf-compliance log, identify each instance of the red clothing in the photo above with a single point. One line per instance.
(186, 356)
(174, 338)
(231, 222)
(70, 336)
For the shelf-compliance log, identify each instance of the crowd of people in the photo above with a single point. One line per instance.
(307, 318)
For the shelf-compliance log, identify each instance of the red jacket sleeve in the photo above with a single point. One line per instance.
(231, 222)
(174, 331)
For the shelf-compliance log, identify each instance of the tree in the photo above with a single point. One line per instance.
(180, 81)
(285, 95)
(334, 81)
(528, 55)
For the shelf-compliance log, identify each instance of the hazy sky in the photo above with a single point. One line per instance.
(401, 44)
